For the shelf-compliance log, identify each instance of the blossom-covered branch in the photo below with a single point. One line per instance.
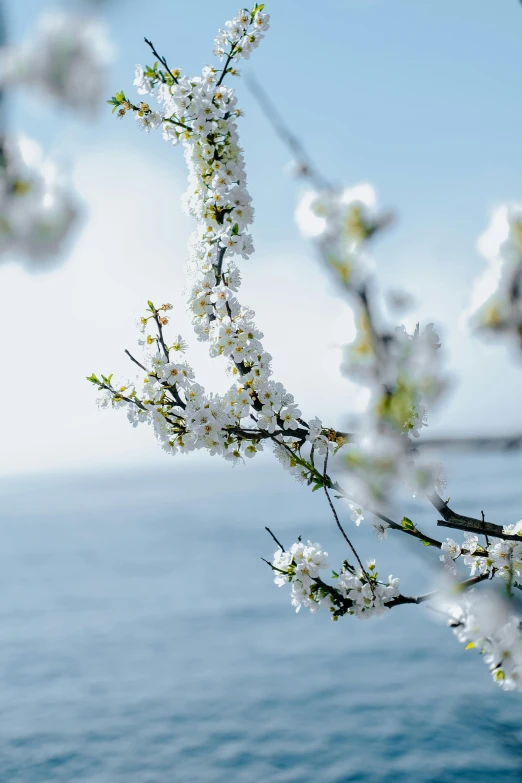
(402, 370)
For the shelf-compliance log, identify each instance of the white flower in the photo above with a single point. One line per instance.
(356, 513)
(66, 57)
(37, 207)
(450, 552)
(148, 122)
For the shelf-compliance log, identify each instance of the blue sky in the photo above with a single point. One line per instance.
(422, 99)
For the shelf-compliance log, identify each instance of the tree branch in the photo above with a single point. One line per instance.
(470, 524)
(161, 59)
(334, 512)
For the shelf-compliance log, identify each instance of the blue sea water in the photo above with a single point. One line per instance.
(142, 639)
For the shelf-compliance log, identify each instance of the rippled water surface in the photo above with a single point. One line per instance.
(142, 640)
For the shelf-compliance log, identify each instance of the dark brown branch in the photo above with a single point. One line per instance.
(121, 396)
(473, 526)
(161, 59)
(221, 256)
(227, 63)
(160, 335)
(470, 524)
(279, 544)
(131, 357)
(171, 388)
(404, 599)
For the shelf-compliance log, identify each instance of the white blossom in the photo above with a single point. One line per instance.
(38, 210)
(66, 57)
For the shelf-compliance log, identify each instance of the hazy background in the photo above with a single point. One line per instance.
(420, 99)
(141, 638)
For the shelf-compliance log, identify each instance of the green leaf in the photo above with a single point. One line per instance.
(235, 230)
(407, 524)
(316, 487)
(92, 378)
(335, 575)
(426, 543)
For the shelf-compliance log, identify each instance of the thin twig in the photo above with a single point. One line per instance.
(119, 394)
(285, 134)
(403, 599)
(160, 335)
(279, 544)
(228, 61)
(161, 59)
(131, 357)
(334, 512)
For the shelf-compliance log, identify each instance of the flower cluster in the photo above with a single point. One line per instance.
(184, 416)
(300, 566)
(401, 369)
(484, 622)
(37, 209)
(66, 57)
(201, 113)
(243, 33)
(498, 305)
(356, 592)
(498, 557)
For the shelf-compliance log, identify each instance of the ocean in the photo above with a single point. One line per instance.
(142, 639)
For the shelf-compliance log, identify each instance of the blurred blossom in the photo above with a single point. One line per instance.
(483, 620)
(37, 209)
(66, 57)
(497, 299)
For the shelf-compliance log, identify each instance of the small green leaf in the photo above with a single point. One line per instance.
(426, 543)
(316, 487)
(235, 230)
(407, 524)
